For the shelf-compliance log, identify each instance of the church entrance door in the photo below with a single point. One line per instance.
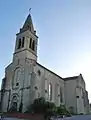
(14, 104)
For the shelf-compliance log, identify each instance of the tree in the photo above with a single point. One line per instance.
(41, 106)
(47, 108)
(38, 106)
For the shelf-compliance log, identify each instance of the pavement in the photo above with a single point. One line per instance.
(13, 119)
(79, 117)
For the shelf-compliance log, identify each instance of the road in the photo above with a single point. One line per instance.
(80, 117)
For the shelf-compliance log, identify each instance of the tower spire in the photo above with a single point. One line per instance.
(28, 25)
(26, 41)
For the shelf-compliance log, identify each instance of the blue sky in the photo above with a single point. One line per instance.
(64, 30)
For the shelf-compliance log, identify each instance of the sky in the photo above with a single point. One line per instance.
(64, 31)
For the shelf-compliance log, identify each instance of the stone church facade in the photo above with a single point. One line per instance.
(25, 79)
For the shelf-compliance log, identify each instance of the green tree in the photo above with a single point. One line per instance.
(41, 106)
(48, 108)
(38, 106)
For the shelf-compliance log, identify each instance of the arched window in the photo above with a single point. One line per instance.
(46, 84)
(23, 39)
(61, 95)
(50, 91)
(33, 45)
(17, 75)
(29, 80)
(19, 44)
(30, 43)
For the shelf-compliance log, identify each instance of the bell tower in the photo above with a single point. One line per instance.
(26, 41)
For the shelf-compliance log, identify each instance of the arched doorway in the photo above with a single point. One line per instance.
(14, 104)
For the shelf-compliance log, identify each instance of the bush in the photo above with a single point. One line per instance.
(62, 110)
(47, 108)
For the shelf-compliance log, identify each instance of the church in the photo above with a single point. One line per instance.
(26, 79)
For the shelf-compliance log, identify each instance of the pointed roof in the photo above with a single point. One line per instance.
(28, 25)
